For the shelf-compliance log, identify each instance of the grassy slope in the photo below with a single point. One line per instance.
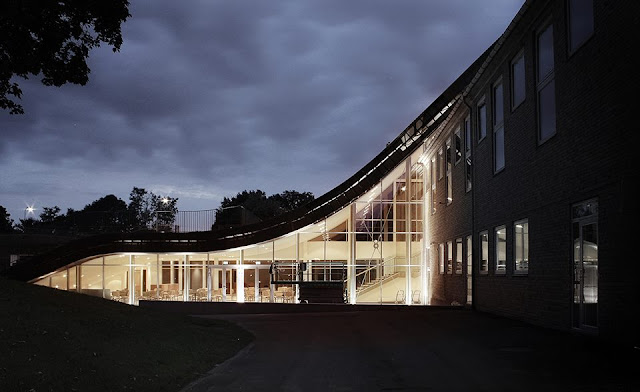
(52, 340)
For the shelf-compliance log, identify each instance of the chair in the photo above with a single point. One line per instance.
(415, 297)
(400, 298)
(265, 294)
(201, 294)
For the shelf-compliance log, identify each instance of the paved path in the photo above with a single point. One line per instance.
(425, 349)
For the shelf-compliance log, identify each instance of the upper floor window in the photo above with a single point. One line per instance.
(440, 164)
(458, 146)
(432, 173)
(546, 85)
(467, 152)
(517, 81)
(498, 128)
(441, 254)
(482, 121)
(448, 181)
(580, 23)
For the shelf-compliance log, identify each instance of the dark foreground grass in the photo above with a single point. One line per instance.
(52, 340)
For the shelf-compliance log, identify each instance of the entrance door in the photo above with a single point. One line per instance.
(585, 266)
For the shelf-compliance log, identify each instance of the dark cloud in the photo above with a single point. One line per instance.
(207, 98)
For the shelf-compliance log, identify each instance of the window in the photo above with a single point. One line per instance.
(433, 185)
(440, 164)
(498, 128)
(448, 181)
(458, 146)
(449, 257)
(482, 121)
(580, 23)
(484, 252)
(521, 247)
(441, 251)
(517, 81)
(546, 85)
(467, 152)
(501, 250)
(458, 256)
(469, 270)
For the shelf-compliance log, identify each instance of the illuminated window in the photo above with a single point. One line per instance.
(458, 256)
(449, 257)
(521, 247)
(501, 250)
(441, 258)
(484, 252)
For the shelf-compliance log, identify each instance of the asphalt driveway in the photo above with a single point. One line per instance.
(421, 349)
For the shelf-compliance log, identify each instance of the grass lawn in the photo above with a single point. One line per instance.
(52, 340)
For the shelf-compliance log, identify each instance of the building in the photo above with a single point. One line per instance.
(510, 193)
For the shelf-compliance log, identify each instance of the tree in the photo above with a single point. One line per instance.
(149, 210)
(107, 214)
(290, 200)
(6, 223)
(52, 39)
(241, 208)
(51, 215)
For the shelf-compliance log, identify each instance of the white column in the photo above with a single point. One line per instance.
(351, 269)
(240, 279)
(408, 231)
(187, 278)
(224, 284)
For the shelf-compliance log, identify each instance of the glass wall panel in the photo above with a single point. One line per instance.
(43, 282)
(116, 280)
(116, 260)
(311, 246)
(171, 276)
(94, 261)
(91, 280)
(59, 280)
(73, 273)
(285, 248)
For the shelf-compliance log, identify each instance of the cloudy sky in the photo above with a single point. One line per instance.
(209, 98)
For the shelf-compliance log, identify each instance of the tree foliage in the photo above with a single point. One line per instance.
(109, 214)
(6, 223)
(52, 40)
(150, 210)
(255, 205)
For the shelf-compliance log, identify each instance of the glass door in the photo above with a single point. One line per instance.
(585, 266)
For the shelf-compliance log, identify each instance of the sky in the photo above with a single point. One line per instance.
(207, 98)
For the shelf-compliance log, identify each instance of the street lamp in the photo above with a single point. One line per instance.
(29, 210)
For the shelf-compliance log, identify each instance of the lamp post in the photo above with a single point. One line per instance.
(28, 210)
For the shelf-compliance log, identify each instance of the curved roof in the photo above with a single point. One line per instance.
(355, 186)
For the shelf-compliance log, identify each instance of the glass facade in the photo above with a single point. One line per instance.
(374, 246)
